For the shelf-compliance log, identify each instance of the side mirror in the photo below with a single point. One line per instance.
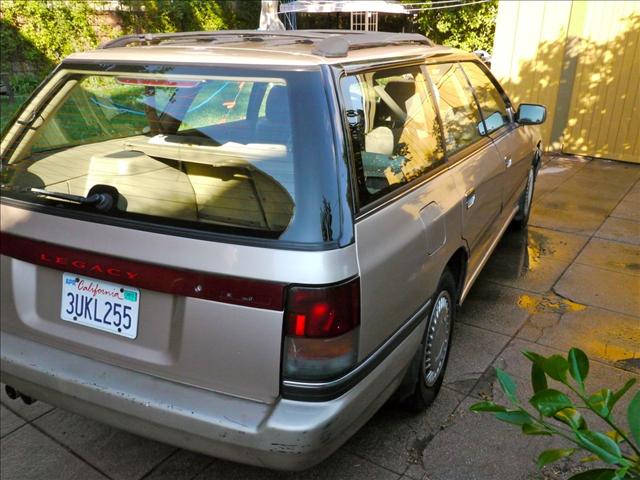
(492, 122)
(531, 114)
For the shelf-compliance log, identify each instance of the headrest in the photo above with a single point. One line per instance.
(379, 140)
(277, 103)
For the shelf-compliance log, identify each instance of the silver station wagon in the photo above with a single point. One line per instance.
(244, 243)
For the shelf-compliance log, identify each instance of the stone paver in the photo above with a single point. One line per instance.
(182, 465)
(477, 447)
(395, 439)
(495, 307)
(556, 171)
(9, 421)
(621, 229)
(27, 454)
(571, 279)
(615, 256)
(532, 261)
(603, 335)
(341, 465)
(464, 369)
(119, 454)
(601, 288)
(628, 209)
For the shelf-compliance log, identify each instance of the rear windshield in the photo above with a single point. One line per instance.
(224, 150)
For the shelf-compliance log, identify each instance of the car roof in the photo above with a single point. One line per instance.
(268, 48)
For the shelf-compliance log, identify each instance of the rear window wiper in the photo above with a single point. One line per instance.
(102, 197)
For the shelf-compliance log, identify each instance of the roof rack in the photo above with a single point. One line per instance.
(328, 43)
(339, 45)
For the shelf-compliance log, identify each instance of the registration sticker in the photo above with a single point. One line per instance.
(98, 304)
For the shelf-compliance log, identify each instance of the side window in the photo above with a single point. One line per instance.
(460, 115)
(492, 105)
(394, 128)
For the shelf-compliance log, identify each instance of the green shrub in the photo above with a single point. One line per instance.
(556, 414)
(469, 27)
(37, 34)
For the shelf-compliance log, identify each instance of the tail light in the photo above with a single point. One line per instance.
(321, 331)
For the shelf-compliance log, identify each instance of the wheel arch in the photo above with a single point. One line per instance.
(457, 265)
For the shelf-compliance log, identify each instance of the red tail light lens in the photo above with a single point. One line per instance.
(321, 331)
(323, 312)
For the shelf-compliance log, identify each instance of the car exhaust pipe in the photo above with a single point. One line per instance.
(14, 394)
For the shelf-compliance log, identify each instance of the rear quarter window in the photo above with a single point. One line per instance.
(397, 137)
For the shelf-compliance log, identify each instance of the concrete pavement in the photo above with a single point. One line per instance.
(573, 279)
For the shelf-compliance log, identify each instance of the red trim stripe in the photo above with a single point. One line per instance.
(187, 283)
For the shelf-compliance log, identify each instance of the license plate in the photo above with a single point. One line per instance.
(102, 305)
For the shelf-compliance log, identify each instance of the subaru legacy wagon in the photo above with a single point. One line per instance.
(243, 243)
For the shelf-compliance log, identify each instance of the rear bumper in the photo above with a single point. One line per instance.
(286, 435)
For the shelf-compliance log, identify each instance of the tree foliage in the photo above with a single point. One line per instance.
(38, 34)
(153, 16)
(470, 27)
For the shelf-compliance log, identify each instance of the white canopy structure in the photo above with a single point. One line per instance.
(269, 16)
(364, 13)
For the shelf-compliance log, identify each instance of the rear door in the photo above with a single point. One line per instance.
(407, 211)
(479, 166)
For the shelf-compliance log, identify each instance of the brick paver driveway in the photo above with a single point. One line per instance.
(572, 280)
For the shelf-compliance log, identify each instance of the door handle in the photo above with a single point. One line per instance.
(470, 199)
(508, 161)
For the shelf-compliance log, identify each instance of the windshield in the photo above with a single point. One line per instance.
(222, 150)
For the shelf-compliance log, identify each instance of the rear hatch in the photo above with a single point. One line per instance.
(153, 216)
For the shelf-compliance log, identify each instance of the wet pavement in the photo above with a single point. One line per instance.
(572, 279)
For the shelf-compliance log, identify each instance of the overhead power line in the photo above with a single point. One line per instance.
(435, 2)
(436, 5)
(442, 7)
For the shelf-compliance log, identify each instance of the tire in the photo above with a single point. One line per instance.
(427, 381)
(521, 220)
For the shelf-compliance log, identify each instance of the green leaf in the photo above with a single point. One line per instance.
(571, 417)
(556, 367)
(633, 416)
(507, 384)
(516, 417)
(601, 402)
(487, 407)
(538, 378)
(533, 429)
(597, 474)
(535, 357)
(548, 402)
(550, 456)
(601, 445)
(621, 473)
(620, 393)
(578, 366)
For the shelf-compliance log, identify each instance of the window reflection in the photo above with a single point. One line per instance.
(395, 127)
(460, 117)
(491, 102)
